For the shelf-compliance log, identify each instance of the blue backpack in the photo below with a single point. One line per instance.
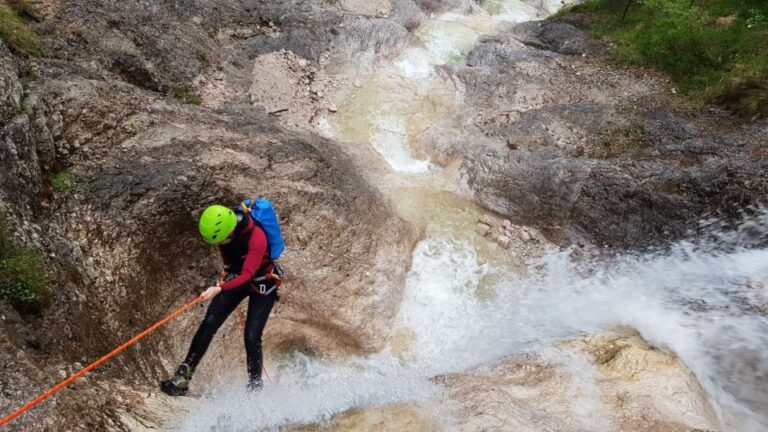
(264, 215)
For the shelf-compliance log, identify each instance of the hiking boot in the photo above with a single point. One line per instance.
(255, 385)
(178, 385)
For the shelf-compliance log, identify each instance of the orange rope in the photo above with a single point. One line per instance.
(86, 369)
(240, 318)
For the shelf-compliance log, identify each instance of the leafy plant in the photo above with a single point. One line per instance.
(23, 281)
(756, 18)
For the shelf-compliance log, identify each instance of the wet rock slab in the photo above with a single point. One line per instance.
(611, 381)
(588, 152)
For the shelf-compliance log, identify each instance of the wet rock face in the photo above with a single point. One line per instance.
(156, 181)
(632, 387)
(392, 418)
(585, 152)
(121, 234)
(127, 231)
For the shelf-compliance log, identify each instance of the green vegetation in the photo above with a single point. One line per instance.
(186, 93)
(14, 31)
(63, 181)
(23, 9)
(23, 281)
(714, 50)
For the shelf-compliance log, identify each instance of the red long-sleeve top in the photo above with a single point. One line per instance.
(245, 254)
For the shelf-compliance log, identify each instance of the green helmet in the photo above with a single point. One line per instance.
(216, 222)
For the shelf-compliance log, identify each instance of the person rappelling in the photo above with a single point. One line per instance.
(250, 242)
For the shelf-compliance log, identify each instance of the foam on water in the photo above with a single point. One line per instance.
(414, 64)
(390, 139)
(706, 302)
(393, 107)
(387, 111)
(309, 390)
(447, 40)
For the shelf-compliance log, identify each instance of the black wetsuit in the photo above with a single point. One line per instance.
(259, 306)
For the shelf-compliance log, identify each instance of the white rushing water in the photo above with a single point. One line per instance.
(703, 301)
(409, 94)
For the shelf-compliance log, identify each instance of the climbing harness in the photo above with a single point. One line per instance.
(272, 280)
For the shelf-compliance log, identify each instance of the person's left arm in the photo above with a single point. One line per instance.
(257, 247)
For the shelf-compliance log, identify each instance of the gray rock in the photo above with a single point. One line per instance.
(594, 156)
(133, 70)
(554, 35)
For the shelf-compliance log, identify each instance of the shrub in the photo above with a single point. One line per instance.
(23, 280)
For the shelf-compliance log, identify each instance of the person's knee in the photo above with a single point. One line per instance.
(213, 321)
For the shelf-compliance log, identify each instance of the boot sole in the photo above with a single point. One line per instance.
(172, 391)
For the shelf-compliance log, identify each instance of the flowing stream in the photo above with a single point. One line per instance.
(465, 307)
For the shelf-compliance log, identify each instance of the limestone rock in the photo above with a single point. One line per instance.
(634, 388)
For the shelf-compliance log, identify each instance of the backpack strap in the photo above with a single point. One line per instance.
(250, 204)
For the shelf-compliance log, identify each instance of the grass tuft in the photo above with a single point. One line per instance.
(23, 9)
(23, 280)
(186, 93)
(63, 181)
(16, 33)
(714, 50)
